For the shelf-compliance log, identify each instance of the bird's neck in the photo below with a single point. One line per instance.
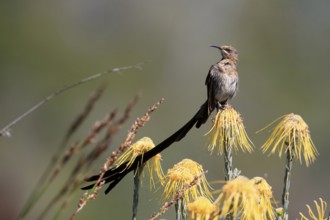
(230, 60)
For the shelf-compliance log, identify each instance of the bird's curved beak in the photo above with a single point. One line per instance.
(216, 47)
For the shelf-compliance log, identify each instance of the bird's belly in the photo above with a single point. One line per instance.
(227, 88)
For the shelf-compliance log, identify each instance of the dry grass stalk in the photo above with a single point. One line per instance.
(85, 162)
(140, 122)
(87, 197)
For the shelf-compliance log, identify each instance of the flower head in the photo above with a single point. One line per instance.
(201, 209)
(265, 195)
(228, 131)
(239, 197)
(320, 207)
(292, 135)
(181, 175)
(139, 148)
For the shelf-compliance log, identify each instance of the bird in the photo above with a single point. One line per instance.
(222, 85)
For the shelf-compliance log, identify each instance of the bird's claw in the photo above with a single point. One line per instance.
(220, 106)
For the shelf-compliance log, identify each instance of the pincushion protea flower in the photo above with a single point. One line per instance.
(246, 199)
(292, 134)
(139, 148)
(228, 131)
(201, 209)
(182, 174)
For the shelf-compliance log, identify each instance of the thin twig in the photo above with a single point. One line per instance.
(5, 131)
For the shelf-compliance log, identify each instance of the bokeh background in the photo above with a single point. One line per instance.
(284, 67)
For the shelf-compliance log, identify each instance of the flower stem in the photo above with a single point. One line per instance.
(287, 178)
(228, 161)
(180, 209)
(136, 191)
(228, 157)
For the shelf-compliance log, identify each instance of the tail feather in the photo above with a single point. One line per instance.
(203, 114)
(115, 174)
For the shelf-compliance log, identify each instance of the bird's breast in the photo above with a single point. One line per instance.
(227, 87)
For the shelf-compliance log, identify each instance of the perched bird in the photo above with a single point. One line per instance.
(221, 82)
(222, 85)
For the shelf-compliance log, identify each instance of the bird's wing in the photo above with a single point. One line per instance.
(211, 87)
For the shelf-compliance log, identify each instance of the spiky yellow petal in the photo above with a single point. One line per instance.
(182, 174)
(292, 134)
(201, 209)
(239, 197)
(139, 148)
(266, 209)
(228, 131)
(321, 211)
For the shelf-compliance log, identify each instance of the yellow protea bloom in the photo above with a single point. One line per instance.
(292, 134)
(265, 196)
(239, 197)
(228, 131)
(139, 148)
(181, 175)
(320, 208)
(201, 209)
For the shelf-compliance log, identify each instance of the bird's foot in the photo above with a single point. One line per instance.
(220, 106)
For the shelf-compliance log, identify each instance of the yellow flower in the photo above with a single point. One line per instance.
(239, 197)
(292, 134)
(181, 175)
(321, 208)
(139, 148)
(247, 199)
(228, 132)
(265, 196)
(201, 209)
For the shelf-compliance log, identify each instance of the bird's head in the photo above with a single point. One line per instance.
(228, 52)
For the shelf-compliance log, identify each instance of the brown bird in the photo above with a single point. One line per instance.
(221, 82)
(222, 85)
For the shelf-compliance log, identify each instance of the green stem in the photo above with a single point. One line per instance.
(180, 209)
(287, 178)
(136, 191)
(228, 162)
(228, 157)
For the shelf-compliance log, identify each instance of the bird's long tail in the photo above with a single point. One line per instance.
(203, 114)
(115, 174)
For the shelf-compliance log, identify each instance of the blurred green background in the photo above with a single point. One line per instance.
(284, 67)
